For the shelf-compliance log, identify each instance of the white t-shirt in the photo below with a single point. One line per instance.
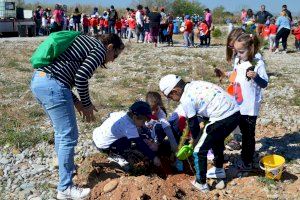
(250, 93)
(207, 100)
(118, 125)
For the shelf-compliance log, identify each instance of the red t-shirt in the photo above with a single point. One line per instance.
(85, 22)
(296, 32)
(101, 22)
(131, 23)
(124, 23)
(118, 25)
(188, 26)
(94, 22)
(105, 23)
(273, 29)
(266, 32)
(170, 29)
(204, 28)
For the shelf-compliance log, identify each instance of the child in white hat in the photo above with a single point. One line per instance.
(200, 98)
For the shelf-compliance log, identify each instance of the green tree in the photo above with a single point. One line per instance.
(220, 15)
(183, 7)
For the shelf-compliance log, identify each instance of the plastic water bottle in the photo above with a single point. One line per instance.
(179, 165)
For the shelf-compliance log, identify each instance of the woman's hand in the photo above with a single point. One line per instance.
(251, 74)
(79, 107)
(88, 113)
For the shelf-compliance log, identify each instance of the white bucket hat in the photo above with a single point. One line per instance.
(168, 82)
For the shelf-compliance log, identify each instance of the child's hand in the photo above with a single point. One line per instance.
(201, 125)
(251, 74)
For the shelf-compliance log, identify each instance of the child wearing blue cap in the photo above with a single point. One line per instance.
(121, 130)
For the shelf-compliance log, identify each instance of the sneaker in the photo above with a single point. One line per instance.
(73, 192)
(216, 173)
(243, 166)
(118, 159)
(276, 51)
(210, 155)
(233, 145)
(201, 187)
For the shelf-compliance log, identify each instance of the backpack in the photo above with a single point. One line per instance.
(52, 47)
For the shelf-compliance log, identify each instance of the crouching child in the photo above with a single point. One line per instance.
(120, 131)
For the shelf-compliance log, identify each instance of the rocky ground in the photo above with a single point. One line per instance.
(27, 171)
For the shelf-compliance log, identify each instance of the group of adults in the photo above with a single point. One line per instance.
(258, 21)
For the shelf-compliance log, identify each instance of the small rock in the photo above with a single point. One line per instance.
(228, 191)
(220, 185)
(35, 198)
(27, 186)
(216, 196)
(233, 183)
(1, 172)
(110, 186)
(4, 161)
(273, 196)
(16, 151)
(164, 197)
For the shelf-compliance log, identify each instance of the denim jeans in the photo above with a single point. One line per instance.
(57, 101)
(188, 39)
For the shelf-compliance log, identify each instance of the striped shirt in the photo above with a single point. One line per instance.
(77, 64)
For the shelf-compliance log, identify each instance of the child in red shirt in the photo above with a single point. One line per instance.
(296, 32)
(101, 25)
(85, 24)
(132, 26)
(188, 32)
(94, 24)
(123, 27)
(272, 35)
(118, 27)
(105, 26)
(203, 32)
(170, 33)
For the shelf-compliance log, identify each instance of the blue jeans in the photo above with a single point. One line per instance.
(188, 39)
(57, 101)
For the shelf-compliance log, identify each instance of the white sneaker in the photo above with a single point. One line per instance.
(201, 187)
(216, 173)
(118, 159)
(276, 51)
(75, 193)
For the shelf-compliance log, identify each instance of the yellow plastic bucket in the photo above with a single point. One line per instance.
(272, 165)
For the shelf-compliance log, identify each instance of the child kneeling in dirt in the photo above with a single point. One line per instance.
(120, 132)
(210, 101)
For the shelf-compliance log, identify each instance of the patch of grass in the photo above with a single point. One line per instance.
(36, 113)
(266, 182)
(22, 139)
(44, 186)
(22, 68)
(296, 98)
(115, 103)
(13, 63)
(124, 82)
